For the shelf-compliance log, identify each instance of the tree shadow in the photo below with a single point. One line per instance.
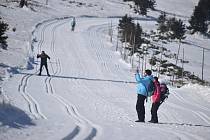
(13, 117)
(82, 78)
(185, 124)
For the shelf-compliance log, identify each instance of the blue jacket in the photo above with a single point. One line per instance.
(142, 83)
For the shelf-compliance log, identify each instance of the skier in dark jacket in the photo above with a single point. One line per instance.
(73, 23)
(44, 58)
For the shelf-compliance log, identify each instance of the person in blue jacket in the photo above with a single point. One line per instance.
(142, 91)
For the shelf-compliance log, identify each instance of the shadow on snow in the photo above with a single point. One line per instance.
(13, 117)
(185, 124)
(72, 134)
(84, 78)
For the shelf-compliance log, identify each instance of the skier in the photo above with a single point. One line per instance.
(44, 58)
(159, 96)
(156, 101)
(142, 88)
(73, 23)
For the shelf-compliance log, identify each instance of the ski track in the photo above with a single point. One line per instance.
(114, 69)
(199, 113)
(96, 50)
(186, 135)
(83, 124)
(85, 127)
(180, 98)
(105, 59)
(33, 105)
(180, 135)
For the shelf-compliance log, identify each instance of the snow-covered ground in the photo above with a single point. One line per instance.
(91, 93)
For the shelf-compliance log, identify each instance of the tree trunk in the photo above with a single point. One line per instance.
(22, 3)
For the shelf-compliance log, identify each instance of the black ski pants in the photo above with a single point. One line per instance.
(154, 109)
(140, 108)
(45, 68)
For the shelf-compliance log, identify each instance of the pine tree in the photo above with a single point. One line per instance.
(201, 14)
(3, 37)
(162, 26)
(205, 5)
(130, 33)
(126, 27)
(22, 3)
(198, 21)
(142, 6)
(162, 18)
(177, 29)
(153, 61)
(138, 38)
(151, 4)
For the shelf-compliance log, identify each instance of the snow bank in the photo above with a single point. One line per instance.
(199, 90)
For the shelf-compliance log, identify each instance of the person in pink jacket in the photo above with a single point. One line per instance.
(155, 101)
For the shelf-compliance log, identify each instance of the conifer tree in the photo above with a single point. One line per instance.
(142, 6)
(130, 33)
(198, 21)
(162, 26)
(126, 27)
(137, 38)
(177, 29)
(151, 4)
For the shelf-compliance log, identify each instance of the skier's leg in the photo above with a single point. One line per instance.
(73, 28)
(154, 110)
(47, 69)
(140, 107)
(40, 71)
(157, 106)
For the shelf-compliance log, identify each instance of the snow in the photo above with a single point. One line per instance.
(91, 93)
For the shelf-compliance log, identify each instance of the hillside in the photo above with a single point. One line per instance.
(91, 93)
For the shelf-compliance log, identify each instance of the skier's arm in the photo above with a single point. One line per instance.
(138, 77)
(38, 55)
(48, 57)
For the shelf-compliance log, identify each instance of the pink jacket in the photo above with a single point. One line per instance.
(156, 95)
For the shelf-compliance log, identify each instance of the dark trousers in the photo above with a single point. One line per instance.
(72, 28)
(45, 68)
(154, 109)
(140, 107)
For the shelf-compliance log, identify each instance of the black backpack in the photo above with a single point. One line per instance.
(150, 89)
(164, 92)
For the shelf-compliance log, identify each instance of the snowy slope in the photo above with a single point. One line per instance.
(91, 94)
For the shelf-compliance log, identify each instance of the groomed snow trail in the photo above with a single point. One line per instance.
(90, 94)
